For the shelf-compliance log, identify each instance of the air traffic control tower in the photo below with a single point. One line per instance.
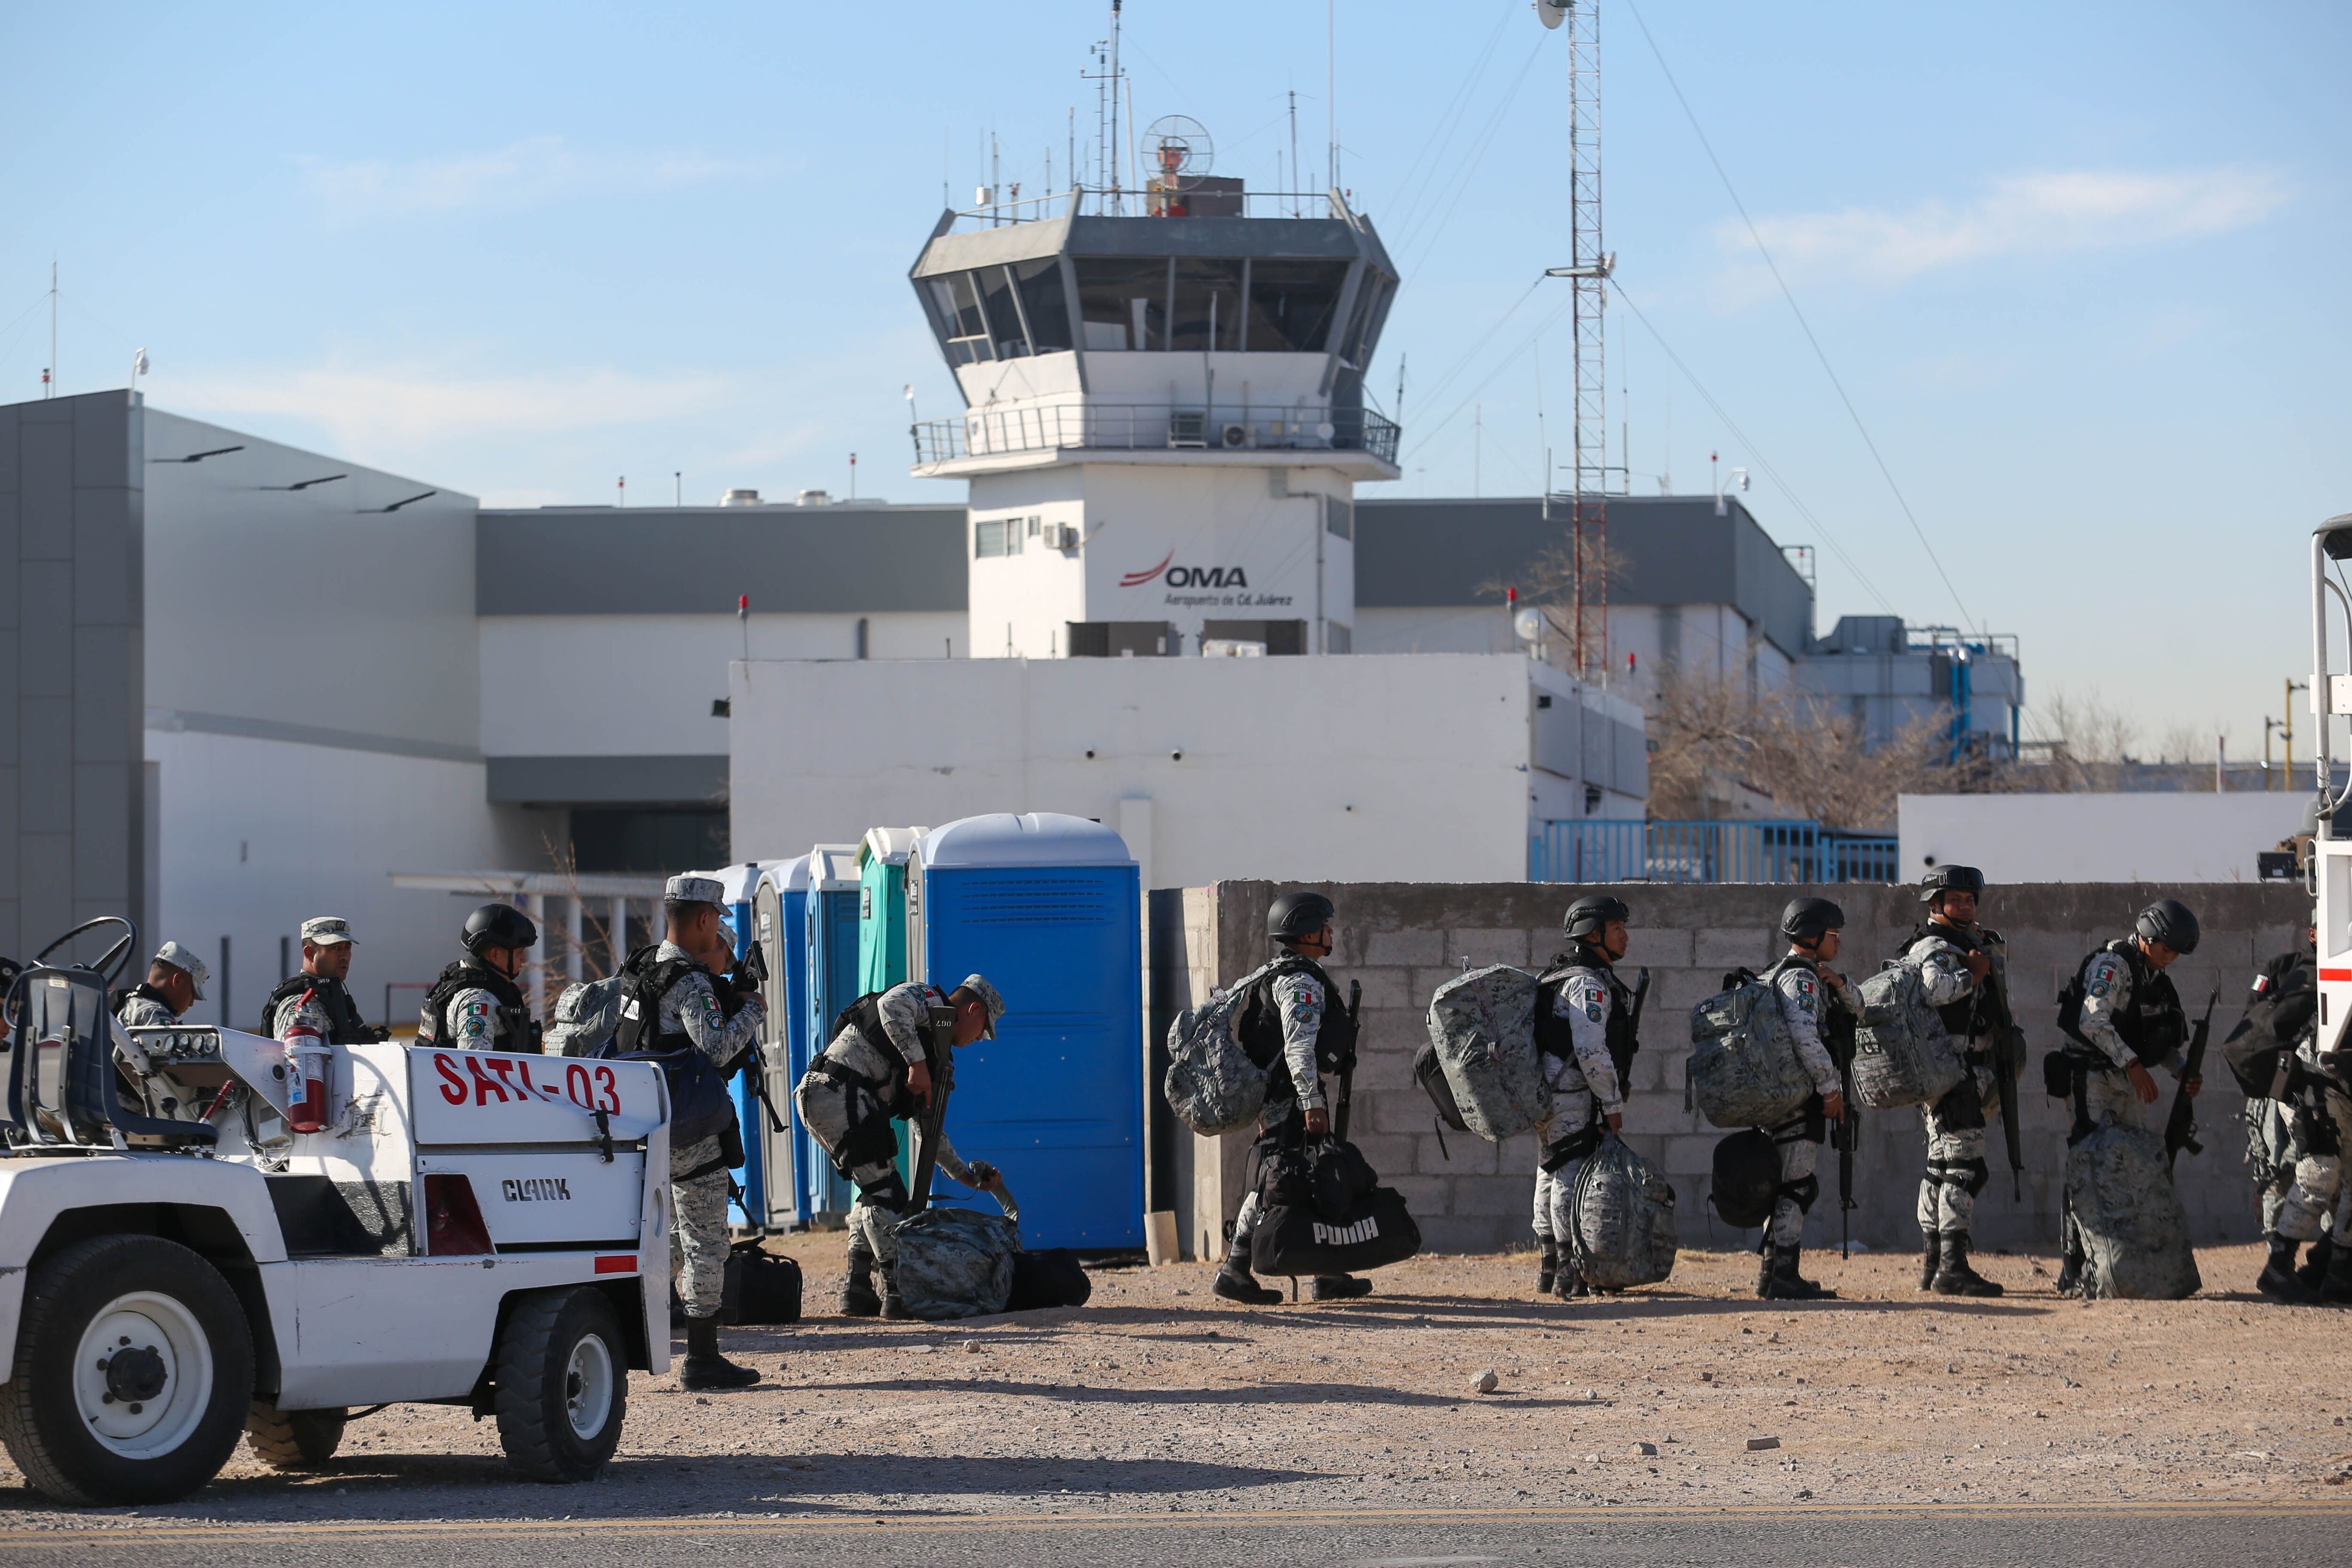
(1164, 422)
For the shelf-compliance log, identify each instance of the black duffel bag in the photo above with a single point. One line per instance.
(1052, 1277)
(1323, 1211)
(761, 1289)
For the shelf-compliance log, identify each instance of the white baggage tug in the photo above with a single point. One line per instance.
(182, 1260)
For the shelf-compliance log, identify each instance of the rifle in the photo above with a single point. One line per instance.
(2180, 1127)
(1846, 1136)
(749, 976)
(2008, 1056)
(933, 1121)
(1640, 995)
(1348, 1069)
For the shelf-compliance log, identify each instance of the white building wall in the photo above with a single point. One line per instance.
(1337, 769)
(2152, 837)
(643, 685)
(258, 836)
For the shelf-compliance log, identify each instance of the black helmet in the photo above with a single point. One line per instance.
(1950, 880)
(498, 925)
(1806, 919)
(2172, 922)
(1296, 915)
(1747, 1178)
(1589, 914)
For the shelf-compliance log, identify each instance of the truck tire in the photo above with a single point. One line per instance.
(560, 1377)
(293, 1439)
(133, 1369)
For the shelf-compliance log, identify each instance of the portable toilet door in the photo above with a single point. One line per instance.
(741, 883)
(1049, 908)
(882, 931)
(780, 925)
(829, 956)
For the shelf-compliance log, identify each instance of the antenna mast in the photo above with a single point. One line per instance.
(1106, 85)
(1587, 274)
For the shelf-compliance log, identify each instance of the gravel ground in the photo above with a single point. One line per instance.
(1157, 1396)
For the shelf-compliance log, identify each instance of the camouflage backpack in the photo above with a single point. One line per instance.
(1212, 1084)
(2135, 1231)
(954, 1263)
(1622, 1219)
(586, 1016)
(1903, 1055)
(1743, 1064)
(1482, 1033)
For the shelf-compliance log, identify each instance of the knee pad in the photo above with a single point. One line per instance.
(1804, 1192)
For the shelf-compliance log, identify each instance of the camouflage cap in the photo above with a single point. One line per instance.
(979, 986)
(326, 931)
(186, 963)
(690, 888)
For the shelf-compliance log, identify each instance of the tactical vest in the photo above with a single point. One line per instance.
(2154, 1024)
(1553, 1036)
(344, 1024)
(1835, 1021)
(699, 1108)
(864, 1015)
(516, 1032)
(1963, 1019)
(123, 998)
(1259, 1028)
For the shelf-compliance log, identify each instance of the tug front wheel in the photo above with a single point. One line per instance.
(560, 1374)
(134, 1369)
(293, 1439)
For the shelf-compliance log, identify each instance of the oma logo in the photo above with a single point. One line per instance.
(1365, 1229)
(1188, 576)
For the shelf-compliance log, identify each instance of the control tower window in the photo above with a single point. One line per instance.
(1291, 304)
(956, 302)
(1364, 320)
(1043, 304)
(1123, 304)
(1208, 311)
(994, 285)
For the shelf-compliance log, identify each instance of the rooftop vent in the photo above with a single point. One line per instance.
(739, 498)
(812, 498)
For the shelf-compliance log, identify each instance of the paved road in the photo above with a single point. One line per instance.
(2149, 1536)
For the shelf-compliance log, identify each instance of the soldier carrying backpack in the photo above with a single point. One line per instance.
(1814, 1004)
(1585, 1020)
(1292, 1027)
(1951, 951)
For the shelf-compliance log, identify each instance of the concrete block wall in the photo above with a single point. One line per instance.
(74, 830)
(1401, 941)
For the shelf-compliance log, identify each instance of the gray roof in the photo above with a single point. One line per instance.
(842, 559)
(1415, 553)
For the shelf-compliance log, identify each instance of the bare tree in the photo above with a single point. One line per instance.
(2088, 741)
(1717, 742)
(1547, 584)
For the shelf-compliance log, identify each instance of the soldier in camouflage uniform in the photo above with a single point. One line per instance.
(2127, 1017)
(475, 1004)
(175, 982)
(316, 998)
(701, 1009)
(2305, 1133)
(1590, 1023)
(1949, 954)
(1291, 1029)
(1815, 1002)
(879, 1066)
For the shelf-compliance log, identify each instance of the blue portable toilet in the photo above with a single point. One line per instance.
(1049, 908)
(779, 923)
(829, 960)
(739, 902)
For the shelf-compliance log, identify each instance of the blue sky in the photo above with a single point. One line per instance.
(2080, 267)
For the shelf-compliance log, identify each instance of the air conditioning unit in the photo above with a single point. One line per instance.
(1059, 536)
(1233, 437)
(1187, 428)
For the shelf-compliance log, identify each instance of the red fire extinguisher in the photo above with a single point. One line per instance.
(309, 1051)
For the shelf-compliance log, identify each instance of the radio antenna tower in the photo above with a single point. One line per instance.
(1106, 90)
(1588, 273)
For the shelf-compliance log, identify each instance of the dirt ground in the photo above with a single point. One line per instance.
(1157, 1396)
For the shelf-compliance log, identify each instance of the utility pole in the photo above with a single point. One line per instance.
(50, 375)
(2286, 730)
(1588, 273)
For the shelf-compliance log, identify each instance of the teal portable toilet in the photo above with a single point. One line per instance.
(882, 908)
(829, 960)
(1049, 908)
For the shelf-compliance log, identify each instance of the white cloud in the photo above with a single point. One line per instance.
(535, 170)
(372, 409)
(2023, 216)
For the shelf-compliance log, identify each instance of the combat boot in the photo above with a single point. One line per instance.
(2337, 1287)
(1783, 1283)
(1931, 1261)
(2313, 1272)
(706, 1370)
(1234, 1281)
(1340, 1287)
(2070, 1269)
(1764, 1270)
(1570, 1286)
(1955, 1278)
(1547, 1265)
(858, 1297)
(2278, 1279)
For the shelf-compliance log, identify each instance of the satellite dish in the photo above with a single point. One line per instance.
(1553, 12)
(1179, 146)
(1529, 625)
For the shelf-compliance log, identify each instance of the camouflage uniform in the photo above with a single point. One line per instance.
(1584, 1090)
(1956, 1124)
(699, 1203)
(2108, 991)
(1799, 989)
(882, 1197)
(477, 1022)
(1298, 1000)
(143, 1008)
